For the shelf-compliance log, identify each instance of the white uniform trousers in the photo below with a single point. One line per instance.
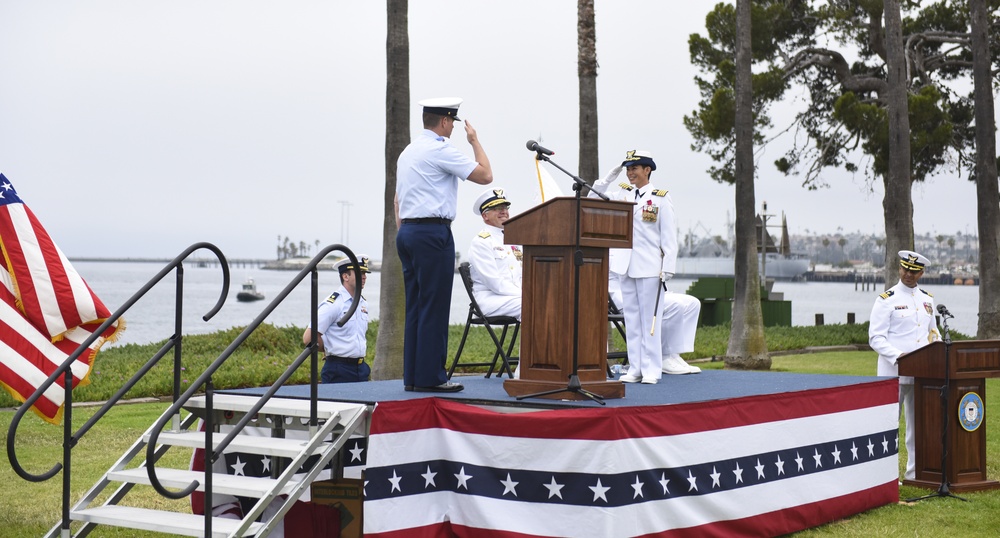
(498, 305)
(906, 403)
(645, 359)
(680, 323)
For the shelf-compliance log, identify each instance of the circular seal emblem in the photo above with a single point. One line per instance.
(970, 412)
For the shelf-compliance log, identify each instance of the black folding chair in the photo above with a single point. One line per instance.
(617, 318)
(476, 317)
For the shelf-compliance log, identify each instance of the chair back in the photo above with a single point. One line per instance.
(465, 270)
(613, 309)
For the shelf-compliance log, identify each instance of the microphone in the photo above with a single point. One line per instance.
(533, 146)
(943, 310)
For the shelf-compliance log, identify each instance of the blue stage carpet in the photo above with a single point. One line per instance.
(672, 389)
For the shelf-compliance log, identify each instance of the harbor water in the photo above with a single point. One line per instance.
(151, 319)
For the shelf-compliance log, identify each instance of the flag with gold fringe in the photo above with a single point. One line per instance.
(47, 310)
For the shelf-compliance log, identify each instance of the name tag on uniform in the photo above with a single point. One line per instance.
(901, 307)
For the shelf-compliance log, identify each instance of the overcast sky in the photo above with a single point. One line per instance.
(134, 129)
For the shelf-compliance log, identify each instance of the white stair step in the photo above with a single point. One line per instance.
(241, 486)
(288, 407)
(251, 444)
(159, 521)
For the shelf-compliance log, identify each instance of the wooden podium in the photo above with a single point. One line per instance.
(548, 234)
(969, 363)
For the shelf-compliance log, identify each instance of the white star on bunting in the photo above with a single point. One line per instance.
(599, 491)
(395, 482)
(555, 489)
(429, 478)
(509, 486)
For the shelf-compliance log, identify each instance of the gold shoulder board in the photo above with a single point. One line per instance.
(887, 294)
(333, 297)
(660, 192)
(626, 186)
(484, 234)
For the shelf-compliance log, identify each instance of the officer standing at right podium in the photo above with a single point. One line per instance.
(902, 320)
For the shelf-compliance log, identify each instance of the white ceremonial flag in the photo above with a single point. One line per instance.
(547, 188)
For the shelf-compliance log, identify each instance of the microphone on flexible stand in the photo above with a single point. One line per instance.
(943, 310)
(533, 146)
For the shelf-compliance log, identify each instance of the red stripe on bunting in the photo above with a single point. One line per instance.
(644, 421)
(796, 518)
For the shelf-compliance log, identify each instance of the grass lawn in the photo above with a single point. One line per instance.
(30, 509)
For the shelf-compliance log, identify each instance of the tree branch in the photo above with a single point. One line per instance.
(835, 62)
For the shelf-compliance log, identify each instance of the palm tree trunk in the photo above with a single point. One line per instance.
(747, 346)
(587, 70)
(988, 199)
(388, 363)
(897, 205)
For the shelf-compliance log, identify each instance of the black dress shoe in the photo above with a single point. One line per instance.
(443, 387)
(408, 388)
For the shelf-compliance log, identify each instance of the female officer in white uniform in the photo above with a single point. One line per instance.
(642, 269)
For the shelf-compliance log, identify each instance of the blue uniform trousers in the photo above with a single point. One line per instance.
(427, 253)
(337, 370)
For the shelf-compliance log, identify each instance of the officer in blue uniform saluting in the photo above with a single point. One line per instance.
(427, 175)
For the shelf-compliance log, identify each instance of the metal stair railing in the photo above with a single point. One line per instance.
(205, 380)
(70, 439)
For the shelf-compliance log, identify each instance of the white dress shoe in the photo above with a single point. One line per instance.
(676, 365)
(649, 380)
(630, 378)
(673, 367)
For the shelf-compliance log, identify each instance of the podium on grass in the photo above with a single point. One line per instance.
(950, 396)
(548, 235)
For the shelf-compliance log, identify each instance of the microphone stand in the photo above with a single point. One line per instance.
(943, 490)
(574, 378)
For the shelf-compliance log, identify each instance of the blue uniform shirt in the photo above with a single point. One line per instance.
(427, 175)
(349, 340)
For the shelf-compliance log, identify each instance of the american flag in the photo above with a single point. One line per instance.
(753, 466)
(46, 309)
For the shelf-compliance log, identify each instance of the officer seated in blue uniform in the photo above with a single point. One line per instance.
(346, 346)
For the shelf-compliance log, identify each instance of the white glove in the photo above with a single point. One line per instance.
(665, 276)
(612, 175)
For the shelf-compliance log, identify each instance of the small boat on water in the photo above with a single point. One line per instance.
(249, 292)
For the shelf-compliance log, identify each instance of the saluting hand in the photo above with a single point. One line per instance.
(470, 132)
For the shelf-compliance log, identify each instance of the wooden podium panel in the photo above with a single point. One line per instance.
(603, 224)
(548, 283)
(966, 365)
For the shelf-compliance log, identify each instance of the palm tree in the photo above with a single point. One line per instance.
(388, 363)
(898, 203)
(587, 70)
(986, 175)
(747, 346)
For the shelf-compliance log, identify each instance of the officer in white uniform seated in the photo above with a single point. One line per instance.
(901, 321)
(495, 267)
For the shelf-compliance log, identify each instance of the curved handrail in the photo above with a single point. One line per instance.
(65, 366)
(206, 376)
